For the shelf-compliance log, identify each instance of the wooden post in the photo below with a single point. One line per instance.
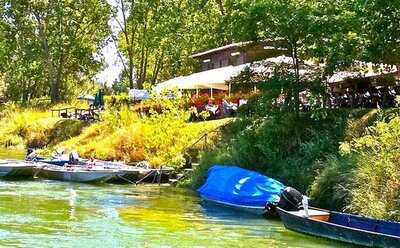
(206, 141)
(211, 93)
(229, 89)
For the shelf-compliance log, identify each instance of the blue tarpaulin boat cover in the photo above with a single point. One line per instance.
(234, 185)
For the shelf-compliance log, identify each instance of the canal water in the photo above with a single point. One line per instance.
(43, 213)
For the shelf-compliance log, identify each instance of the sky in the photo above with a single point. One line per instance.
(113, 64)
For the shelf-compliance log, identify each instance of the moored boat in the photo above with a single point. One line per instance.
(343, 227)
(242, 189)
(75, 173)
(16, 169)
(126, 173)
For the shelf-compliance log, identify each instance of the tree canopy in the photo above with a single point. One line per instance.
(51, 48)
(48, 47)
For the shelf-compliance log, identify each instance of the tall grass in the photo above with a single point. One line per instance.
(285, 147)
(20, 128)
(160, 138)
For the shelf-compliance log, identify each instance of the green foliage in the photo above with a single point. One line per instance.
(117, 101)
(330, 189)
(157, 37)
(34, 128)
(377, 163)
(380, 30)
(282, 146)
(47, 47)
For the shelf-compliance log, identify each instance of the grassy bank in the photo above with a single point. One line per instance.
(20, 128)
(347, 160)
(160, 138)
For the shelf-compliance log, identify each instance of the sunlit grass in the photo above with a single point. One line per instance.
(160, 138)
(125, 136)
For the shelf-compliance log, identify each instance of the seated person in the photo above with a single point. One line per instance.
(73, 158)
(210, 107)
(31, 154)
(228, 108)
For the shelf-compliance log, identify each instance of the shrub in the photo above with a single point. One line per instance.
(21, 128)
(375, 187)
(330, 189)
(294, 150)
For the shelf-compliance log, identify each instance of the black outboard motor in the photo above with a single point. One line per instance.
(290, 199)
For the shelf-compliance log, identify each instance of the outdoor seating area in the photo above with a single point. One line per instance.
(90, 114)
(372, 97)
(203, 106)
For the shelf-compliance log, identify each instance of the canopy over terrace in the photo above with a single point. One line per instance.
(217, 78)
(362, 71)
(211, 79)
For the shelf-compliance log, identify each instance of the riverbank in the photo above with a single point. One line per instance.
(121, 134)
(331, 158)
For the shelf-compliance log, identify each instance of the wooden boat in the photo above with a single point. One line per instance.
(16, 169)
(343, 227)
(75, 174)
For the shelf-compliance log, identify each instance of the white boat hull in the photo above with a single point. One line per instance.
(84, 176)
(16, 169)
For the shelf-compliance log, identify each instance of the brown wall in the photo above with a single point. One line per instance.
(247, 54)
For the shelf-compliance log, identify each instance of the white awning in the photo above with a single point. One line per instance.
(217, 78)
(365, 70)
(211, 79)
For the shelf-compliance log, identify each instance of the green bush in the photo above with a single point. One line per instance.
(375, 186)
(331, 189)
(284, 147)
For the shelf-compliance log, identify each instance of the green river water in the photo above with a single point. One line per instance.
(43, 213)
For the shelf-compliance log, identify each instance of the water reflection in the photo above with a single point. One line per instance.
(72, 203)
(56, 214)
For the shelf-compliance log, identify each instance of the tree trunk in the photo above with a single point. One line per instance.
(157, 67)
(56, 90)
(47, 57)
(296, 87)
(221, 6)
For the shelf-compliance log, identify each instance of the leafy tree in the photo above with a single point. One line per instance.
(157, 37)
(290, 20)
(380, 30)
(51, 45)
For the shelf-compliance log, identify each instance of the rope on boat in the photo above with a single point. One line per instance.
(148, 174)
(35, 176)
(125, 179)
